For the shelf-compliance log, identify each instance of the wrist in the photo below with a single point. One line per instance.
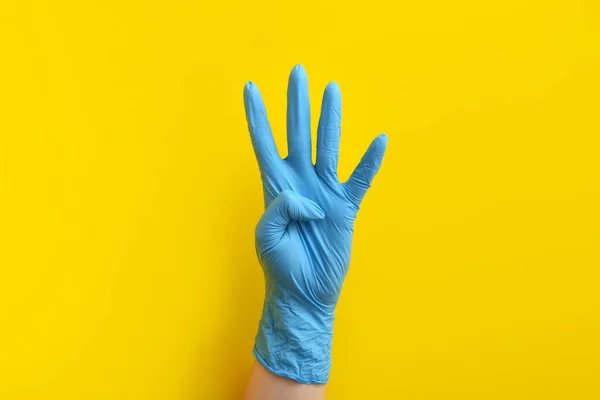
(294, 336)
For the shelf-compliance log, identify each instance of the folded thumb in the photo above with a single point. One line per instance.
(286, 207)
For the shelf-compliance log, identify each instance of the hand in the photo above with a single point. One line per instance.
(304, 238)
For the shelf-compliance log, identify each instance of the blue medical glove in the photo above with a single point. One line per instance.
(304, 237)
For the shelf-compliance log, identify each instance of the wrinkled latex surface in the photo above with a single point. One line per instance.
(304, 238)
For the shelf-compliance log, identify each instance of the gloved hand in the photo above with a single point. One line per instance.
(304, 237)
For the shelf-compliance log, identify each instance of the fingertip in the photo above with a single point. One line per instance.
(320, 214)
(379, 144)
(248, 87)
(333, 88)
(314, 212)
(380, 148)
(333, 96)
(383, 139)
(298, 67)
(252, 98)
(313, 209)
(298, 73)
(376, 151)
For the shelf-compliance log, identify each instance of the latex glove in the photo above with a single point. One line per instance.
(304, 238)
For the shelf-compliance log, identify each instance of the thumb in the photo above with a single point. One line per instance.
(286, 207)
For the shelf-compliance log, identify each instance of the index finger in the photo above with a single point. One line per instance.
(260, 130)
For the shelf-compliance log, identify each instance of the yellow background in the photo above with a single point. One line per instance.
(129, 194)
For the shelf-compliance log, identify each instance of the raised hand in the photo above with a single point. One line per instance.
(304, 238)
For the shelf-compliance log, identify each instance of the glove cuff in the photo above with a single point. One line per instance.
(294, 337)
